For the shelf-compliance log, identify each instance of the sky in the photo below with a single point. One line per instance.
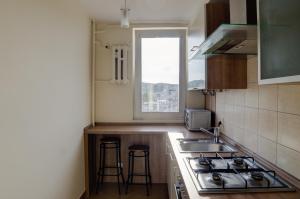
(160, 60)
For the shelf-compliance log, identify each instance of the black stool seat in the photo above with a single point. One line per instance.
(138, 147)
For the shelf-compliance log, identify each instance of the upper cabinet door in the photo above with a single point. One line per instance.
(196, 32)
(279, 30)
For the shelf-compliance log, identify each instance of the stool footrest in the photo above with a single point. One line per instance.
(138, 156)
(111, 167)
(137, 183)
(140, 174)
(111, 174)
(111, 147)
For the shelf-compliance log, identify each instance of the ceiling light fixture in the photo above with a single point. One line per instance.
(125, 19)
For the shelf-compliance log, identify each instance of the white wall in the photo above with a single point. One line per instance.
(44, 98)
(114, 103)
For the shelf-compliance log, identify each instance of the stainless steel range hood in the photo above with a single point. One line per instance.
(229, 39)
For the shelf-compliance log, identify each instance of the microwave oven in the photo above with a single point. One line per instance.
(195, 119)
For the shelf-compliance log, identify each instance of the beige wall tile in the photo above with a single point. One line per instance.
(228, 129)
(251, 140)
(239, 116)
(267, 149)
(267, 124)
(252, 96)
(288, 130)
(229, 97)
(221, 97)
(229, 113)
(289, 160)
(252, 69)
(239, 97)
(289, 99)
(268, 97)
(238, 134)
(220, 111)
(251, 119)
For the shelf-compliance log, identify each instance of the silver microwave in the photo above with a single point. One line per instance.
(195, 119)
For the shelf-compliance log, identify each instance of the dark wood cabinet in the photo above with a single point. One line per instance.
(217, 13)
(223, 71)
(226, 72)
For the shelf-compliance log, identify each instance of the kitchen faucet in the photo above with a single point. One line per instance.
(215, 133)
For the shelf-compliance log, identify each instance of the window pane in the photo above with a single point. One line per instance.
(160, 74)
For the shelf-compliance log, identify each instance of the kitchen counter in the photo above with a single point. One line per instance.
(172, 132)
(190, 187)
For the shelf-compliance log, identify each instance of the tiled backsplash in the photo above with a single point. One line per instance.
(265, 119)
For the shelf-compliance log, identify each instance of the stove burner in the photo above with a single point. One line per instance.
(238, 161)
(256, 175)
(232, 174)
(217, 177)
(204, 161)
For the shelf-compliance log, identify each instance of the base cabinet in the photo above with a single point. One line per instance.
(173, 174)
(172, 171)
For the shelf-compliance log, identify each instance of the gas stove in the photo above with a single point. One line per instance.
(233, 174)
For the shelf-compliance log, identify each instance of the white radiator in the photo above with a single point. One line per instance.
(119, 64)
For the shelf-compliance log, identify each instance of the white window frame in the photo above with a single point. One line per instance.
(152, 33)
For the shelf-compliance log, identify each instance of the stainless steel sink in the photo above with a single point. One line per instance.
(204, 146)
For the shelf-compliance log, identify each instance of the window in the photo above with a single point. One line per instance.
(160, 74)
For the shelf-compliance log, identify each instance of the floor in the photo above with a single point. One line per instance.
(110, 191)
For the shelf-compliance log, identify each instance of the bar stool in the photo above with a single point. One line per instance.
(110, 143)
(131, 156)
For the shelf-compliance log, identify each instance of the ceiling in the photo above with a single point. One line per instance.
(144, 11)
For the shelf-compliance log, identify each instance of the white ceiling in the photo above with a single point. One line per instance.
(144, 11)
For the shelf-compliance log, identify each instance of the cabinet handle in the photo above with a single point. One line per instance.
(194, 48)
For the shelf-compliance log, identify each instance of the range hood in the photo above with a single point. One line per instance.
(229, 39)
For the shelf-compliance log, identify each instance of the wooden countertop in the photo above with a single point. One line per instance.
(136, 129)
(179, 131)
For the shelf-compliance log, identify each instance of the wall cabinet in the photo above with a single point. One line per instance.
(217, 13)
(218, 71)
(223, 71)
(196, 31)
(226, 72)
(196, 35)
